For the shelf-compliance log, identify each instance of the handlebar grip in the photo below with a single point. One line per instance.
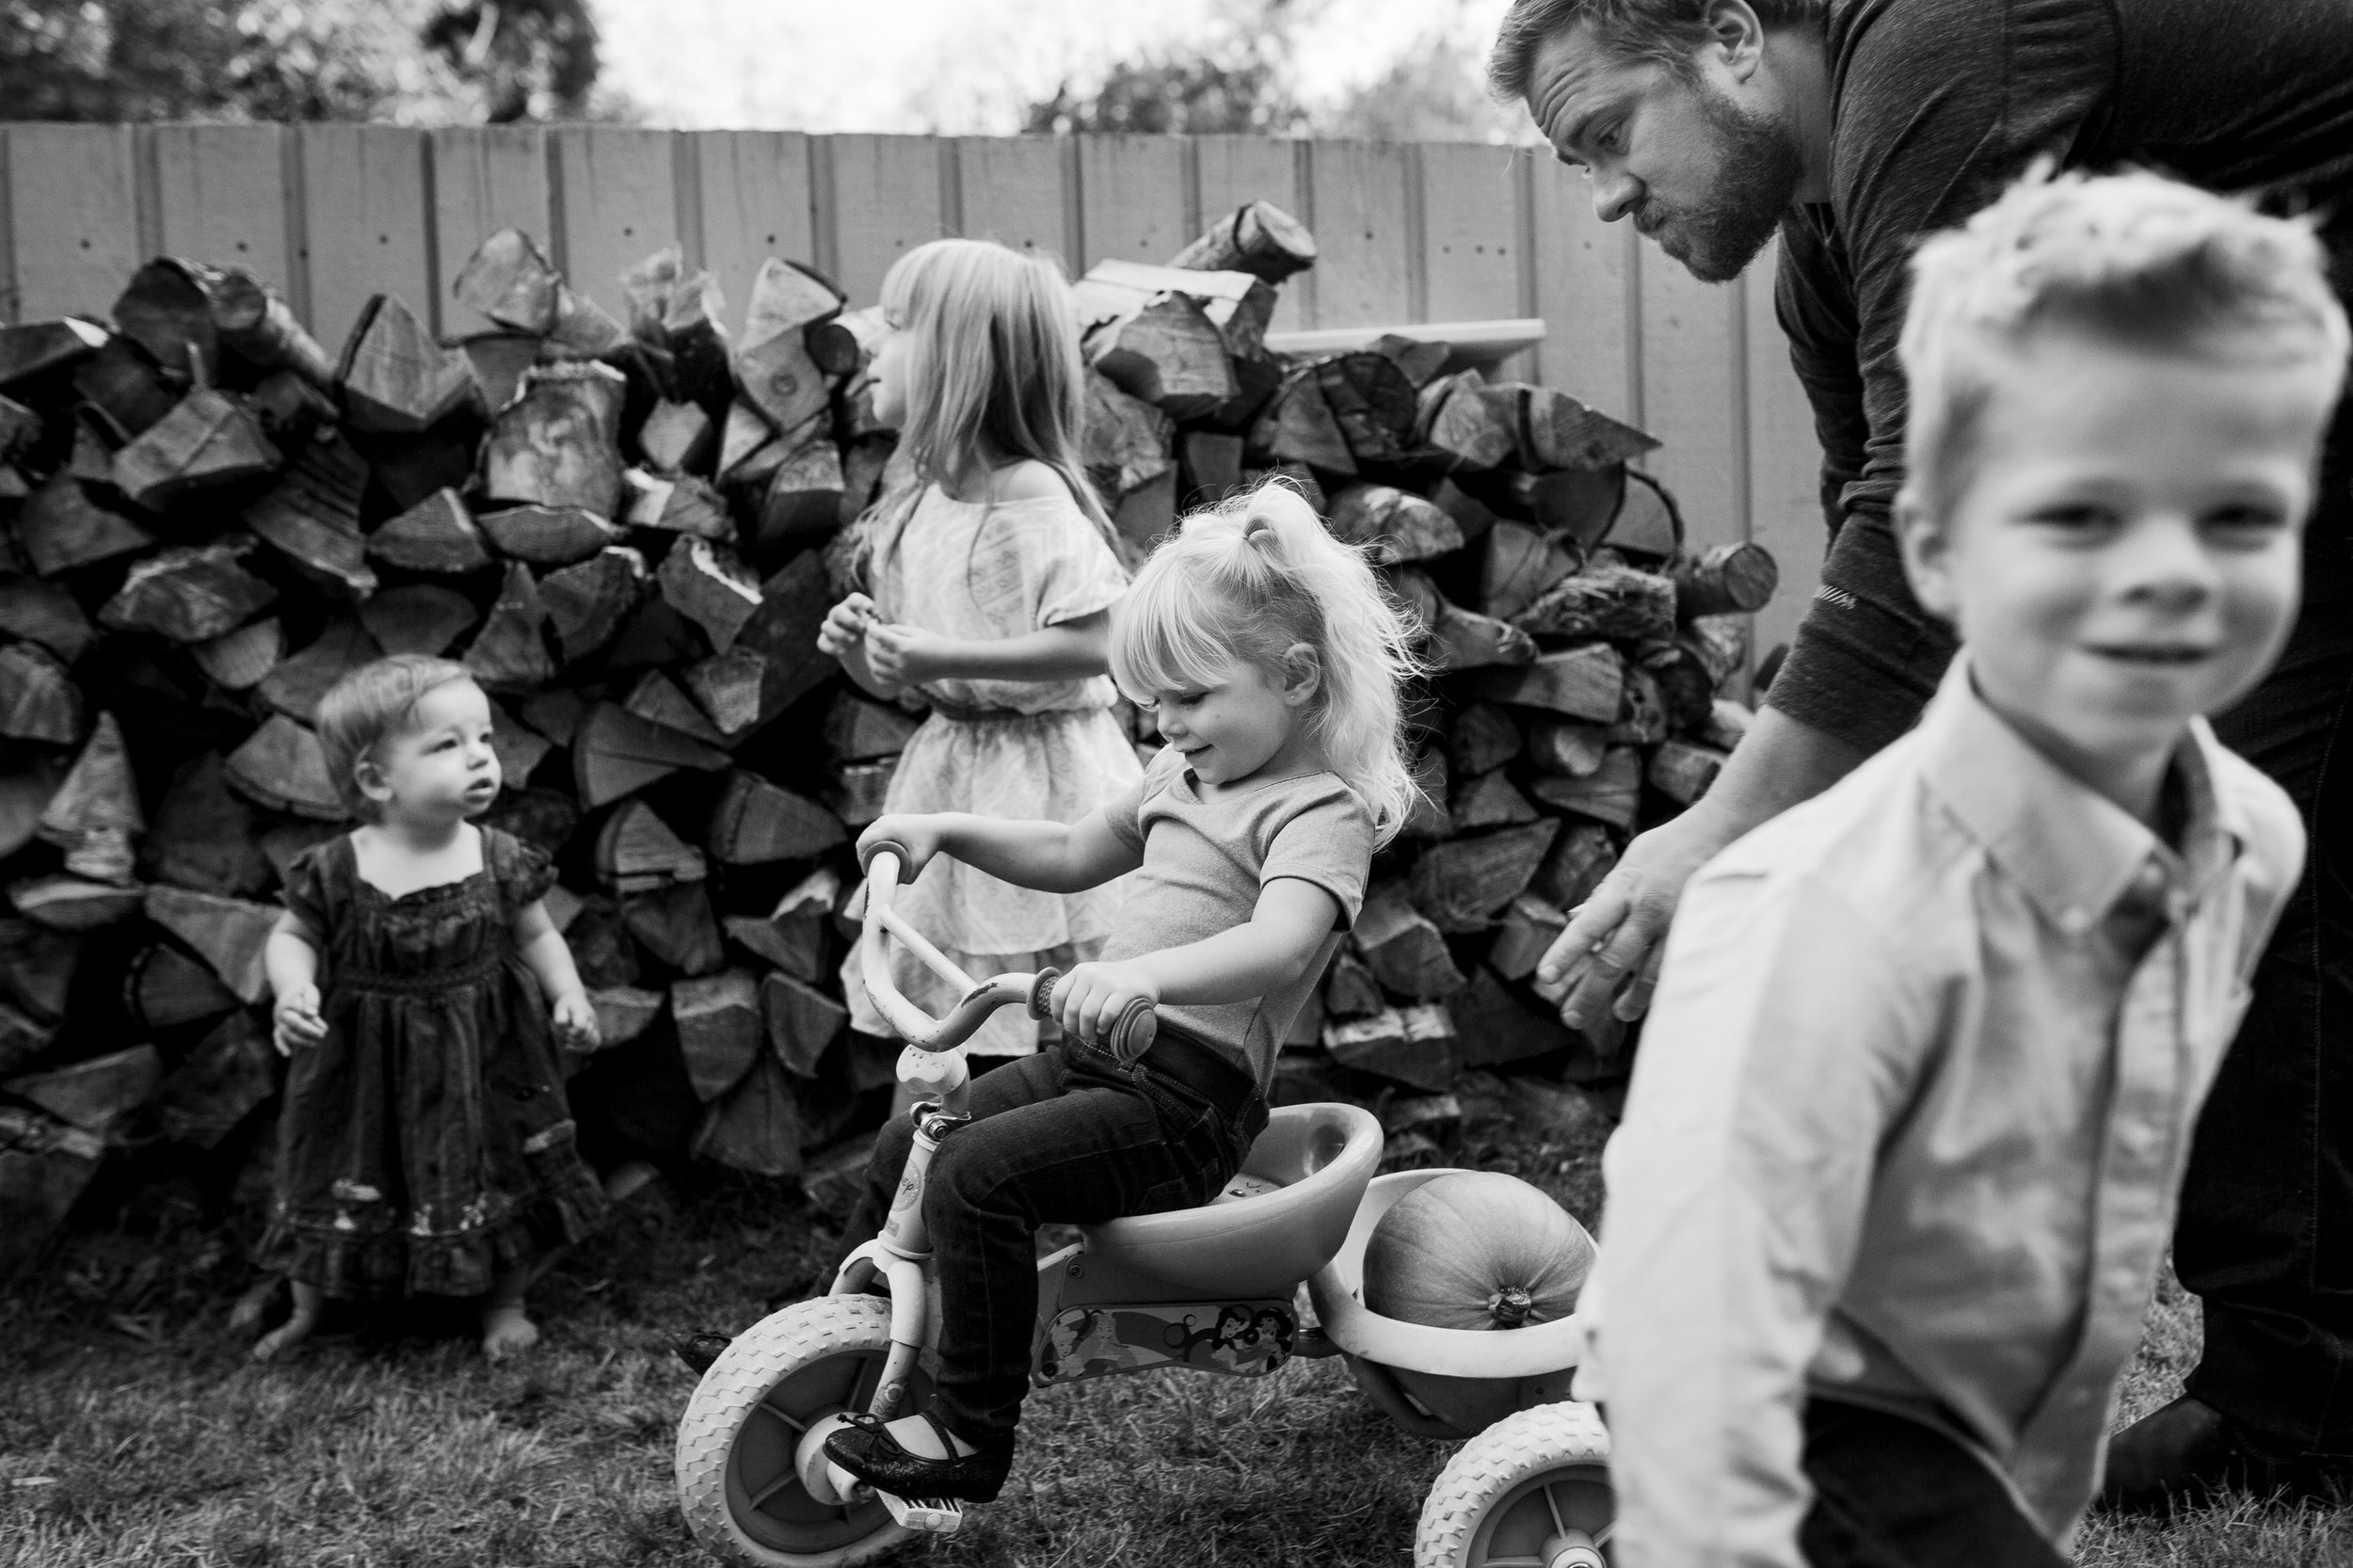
(867, 852)
(1135, 1031)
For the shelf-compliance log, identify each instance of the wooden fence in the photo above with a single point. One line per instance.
(1438, 231)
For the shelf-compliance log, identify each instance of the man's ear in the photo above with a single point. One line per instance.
(1736, 38)
(1926, 544)
(1303, 673)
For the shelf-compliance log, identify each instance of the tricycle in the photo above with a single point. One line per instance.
(1212, 1290)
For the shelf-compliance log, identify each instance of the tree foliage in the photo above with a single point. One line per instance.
(1237, 80)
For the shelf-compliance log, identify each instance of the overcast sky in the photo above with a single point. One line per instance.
(958, 66)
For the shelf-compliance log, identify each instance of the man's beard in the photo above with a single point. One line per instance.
(1756, 180)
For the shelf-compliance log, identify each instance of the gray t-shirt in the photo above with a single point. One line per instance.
(1204, 862)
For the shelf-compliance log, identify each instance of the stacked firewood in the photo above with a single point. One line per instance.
(629, 529)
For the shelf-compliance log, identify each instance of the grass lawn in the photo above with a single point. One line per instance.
(132, 1431)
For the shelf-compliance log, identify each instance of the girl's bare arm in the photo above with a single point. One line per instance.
(1068, 650)
(1286, 929)
(291, 960)
(543, 947)
(1050, 856)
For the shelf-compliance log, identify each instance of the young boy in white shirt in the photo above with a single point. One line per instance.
(1902, 1150)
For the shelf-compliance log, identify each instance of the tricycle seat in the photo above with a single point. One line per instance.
(1282, 1218)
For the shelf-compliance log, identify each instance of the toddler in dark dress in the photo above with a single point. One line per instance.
(425, 1146)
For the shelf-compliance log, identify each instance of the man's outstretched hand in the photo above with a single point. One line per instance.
(1607, 961)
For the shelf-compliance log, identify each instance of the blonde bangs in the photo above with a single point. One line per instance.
(1168, 636)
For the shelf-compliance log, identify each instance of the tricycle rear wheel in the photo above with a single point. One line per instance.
(1532, 1491)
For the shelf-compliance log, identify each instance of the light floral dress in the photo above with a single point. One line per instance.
(1019, 749)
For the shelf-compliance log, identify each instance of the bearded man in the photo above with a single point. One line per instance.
(1852, 128)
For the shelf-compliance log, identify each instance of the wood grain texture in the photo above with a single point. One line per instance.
(1232, 170)
(1784, 464)
(886, 202)
(620, 205)
(75, 192)
(484, 179)
(364, 231)
(756, 204)
(1361, 227)
(222, 191)
(1131, 193)
(1584, 268)
(1013, 193)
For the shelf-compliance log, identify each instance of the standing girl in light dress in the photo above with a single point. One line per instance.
(990, 586)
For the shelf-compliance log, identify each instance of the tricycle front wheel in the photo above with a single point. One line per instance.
(1532, 1491)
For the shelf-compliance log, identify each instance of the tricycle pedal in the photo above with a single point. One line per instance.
(933, 1515)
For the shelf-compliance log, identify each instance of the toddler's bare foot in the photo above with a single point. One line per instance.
(506, 1331)
(295, 1329)
(252, 1308)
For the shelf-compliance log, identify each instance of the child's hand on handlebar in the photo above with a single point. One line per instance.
(918, 833)
(1089, 1000)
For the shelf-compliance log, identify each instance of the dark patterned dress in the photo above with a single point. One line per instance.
(425, 1144)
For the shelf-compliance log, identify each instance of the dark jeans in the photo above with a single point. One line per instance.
(1889, 1493)
(2265, 1230)
(1067, 1135)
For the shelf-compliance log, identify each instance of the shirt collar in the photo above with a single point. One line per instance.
(2074, 852)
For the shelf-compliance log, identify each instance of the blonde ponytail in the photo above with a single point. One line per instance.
(1253, 578)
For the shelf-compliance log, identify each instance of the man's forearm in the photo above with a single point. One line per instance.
(1781, 762)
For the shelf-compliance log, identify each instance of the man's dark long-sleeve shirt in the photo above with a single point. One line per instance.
(1936, 106)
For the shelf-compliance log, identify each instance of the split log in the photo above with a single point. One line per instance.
(63, 901)
(1402, 948)
(617, 753)
(1297, 426)
(602, 949)
(865, 465)
(189, 593)
(1169, 354)
(508, 280)
(290, 410)
(1470, 422)
(586, 602)
(1462, 884)
(1125, 440)
(1455, 638)
(802, 1022)
(226, 933)
(1483, 738)
(45, 1167)
(37, 700)
(1567, 746)
(1419, 358)
(224, 1079)
(800, 920)
(311, 517)
(756, 822)
(1372, 403)
(36, 347)
(25, 789)
(19, 427)
(509, 653)
(860, 790)
(705, 583)
(59, 527)
(1145, 516)
(719, 1029)
(520, 748)
(727, 688)
(282, 767)
(1611, 794)
(1489, 800)
(1522, 565)
(1257, 237)
(1556, 431)
(678, 436)
(260, 327)
(1646, 522)
(1605, 602)
(207, 441)
(679, 503)
(1528, 930)
(438, 534)
(1496, 1027)
(95, 1093)
(624, 1013)
(750, 447)
(1585, 682)
(1682, 772)
(407, 468)
(295, 687)
(124, 389)
(34, 611)
(1642, 712)
(1414, 1045)
(549, 536)
(637, 853)
(166, 309)
(1209, 468)
(394, 376)
(499, 361)
(38, 967)
(1393, 524)
(1721, 645)
(656, 696)
(757, 1127)
(859, 731)
(801, 505)
(284, 840)
(1350, 990)
(95, 813)
(676, 925)
(418, 617)
(558, 443)
(1577, 505)
(783, 636)
(206, 838)
(1730, 579)
(773, 367)
(556, 712)
(584, 329)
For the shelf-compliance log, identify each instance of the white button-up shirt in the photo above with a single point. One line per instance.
(1909, 1120)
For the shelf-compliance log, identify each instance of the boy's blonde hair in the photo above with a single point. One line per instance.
(368, 705)
(2133, 258)
(1250, 580)
(993, 365)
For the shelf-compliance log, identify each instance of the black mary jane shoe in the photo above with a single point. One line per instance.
(863, 1445)
(699, 1351)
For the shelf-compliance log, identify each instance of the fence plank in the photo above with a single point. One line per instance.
(1584, 268)
(75, 194)
(1237, 170)
(1361, 226)
(1131, 195)
(885, 202)
(620, 205)
(484, 179)
(1470, 239)
(1784, 464)
(1013, 193)
(756, 196)
(1690, 357)
(364, 223)
(222, 191)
